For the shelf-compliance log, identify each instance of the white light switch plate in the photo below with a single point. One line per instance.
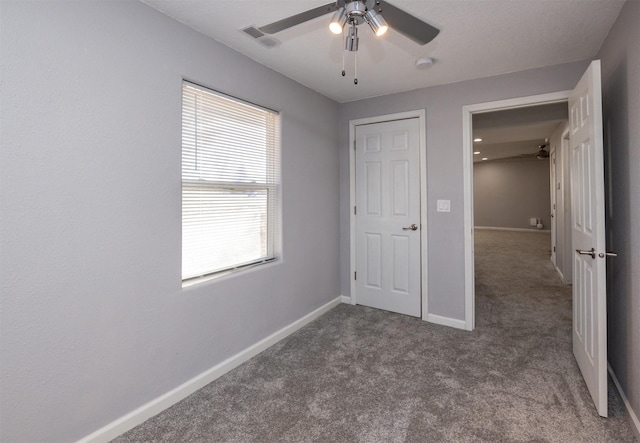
(444, 205)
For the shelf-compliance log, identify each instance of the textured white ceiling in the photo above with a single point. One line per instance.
(478, 38)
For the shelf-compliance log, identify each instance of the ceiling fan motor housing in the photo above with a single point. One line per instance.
(356, 8)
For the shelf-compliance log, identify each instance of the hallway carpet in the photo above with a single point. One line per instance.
(363, 375)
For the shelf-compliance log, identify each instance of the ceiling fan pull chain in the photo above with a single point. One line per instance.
(343, 71)
(355, 68)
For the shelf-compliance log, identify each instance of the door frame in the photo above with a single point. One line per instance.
(420, 114)
(553, 190)
(567, 253)
(467, 154)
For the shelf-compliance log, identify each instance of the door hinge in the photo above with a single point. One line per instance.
(554, 249)
(355, 275)
(354, 145)
(355, 211)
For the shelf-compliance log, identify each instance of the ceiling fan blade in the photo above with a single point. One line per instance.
(294, 20)
(407, 25)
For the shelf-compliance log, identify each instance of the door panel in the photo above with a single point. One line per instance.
(400, 183)
(588, 235)
(401, 254)
(373, 180)
(388, 200)
(373, 270)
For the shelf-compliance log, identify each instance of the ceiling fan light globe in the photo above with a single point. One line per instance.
(338, 21)
(378, 24)
(335, 28)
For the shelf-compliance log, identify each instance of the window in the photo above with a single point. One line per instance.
(230, 183)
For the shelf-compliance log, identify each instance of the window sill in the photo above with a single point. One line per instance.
(223, 275)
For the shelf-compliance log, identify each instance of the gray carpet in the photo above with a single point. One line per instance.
(363, 375)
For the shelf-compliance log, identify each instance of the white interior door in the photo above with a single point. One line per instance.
(588, 235)
(388, 216)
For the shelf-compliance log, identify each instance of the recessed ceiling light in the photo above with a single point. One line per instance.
(485, 158)
(477, 140)
(476, 153)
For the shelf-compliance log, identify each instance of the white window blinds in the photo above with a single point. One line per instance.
(230, 182)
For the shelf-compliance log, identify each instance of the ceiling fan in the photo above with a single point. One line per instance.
(542, 153)
(378, 14)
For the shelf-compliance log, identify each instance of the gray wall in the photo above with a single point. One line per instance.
(508, 193)
(94, 322)
(620, 58)
(443, 105)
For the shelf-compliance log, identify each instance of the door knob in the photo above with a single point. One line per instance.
(592, 253)
(413, 227)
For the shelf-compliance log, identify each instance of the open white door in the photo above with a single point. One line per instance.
(388, 244)
(588, 235)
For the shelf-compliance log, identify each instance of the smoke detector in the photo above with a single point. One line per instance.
(424, 62)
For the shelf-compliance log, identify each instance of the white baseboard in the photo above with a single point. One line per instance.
(154, 407)
(497, 228)
(345, 299)
(633, 418)
(446, 321)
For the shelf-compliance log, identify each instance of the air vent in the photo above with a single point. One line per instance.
(253, 32)
(260, 37)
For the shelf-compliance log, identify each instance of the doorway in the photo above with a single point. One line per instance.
(467, 130)
(516, 154)
(389, 213)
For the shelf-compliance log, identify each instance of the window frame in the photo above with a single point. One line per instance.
(272, 189)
